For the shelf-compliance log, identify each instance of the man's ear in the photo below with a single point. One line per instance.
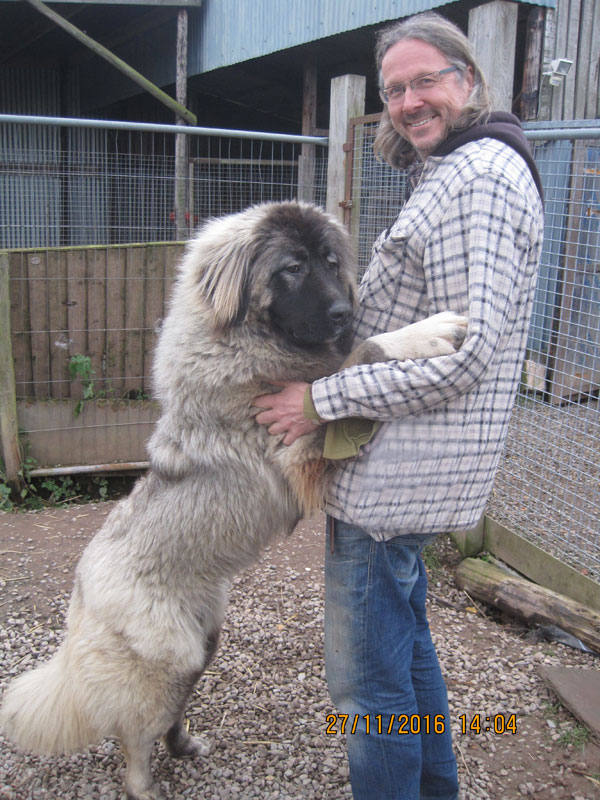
(469, 77)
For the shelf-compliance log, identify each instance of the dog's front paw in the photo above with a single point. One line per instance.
(440, 335)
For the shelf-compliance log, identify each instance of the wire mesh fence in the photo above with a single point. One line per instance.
(83, 186)
(548, 485)
(90, 226)
(93, 225)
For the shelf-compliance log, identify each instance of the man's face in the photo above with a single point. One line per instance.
(424, 118)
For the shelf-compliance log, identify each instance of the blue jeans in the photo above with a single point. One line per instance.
(381, 661)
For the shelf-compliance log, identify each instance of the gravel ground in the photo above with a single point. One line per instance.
(264, 701)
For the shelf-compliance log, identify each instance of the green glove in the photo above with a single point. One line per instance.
(343, 437)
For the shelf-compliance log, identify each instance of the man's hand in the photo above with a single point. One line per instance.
(284, 411)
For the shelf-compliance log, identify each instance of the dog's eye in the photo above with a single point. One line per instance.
(292, 268)
(332, 261)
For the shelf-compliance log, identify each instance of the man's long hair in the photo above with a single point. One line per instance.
(442, 34)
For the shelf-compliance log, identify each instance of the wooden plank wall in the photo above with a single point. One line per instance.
(573, 31)
(101, 302)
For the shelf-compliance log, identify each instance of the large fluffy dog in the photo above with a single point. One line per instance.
(261, 295)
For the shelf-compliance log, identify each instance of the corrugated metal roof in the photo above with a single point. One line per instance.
(222, 33)
(230, 31)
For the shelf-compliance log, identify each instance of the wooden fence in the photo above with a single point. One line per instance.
(101, 302)
(83, 323)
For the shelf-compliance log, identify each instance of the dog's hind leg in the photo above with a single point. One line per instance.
(181, 744)
(137, 749)
(178, 741)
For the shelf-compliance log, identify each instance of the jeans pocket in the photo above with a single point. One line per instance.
(404, 552)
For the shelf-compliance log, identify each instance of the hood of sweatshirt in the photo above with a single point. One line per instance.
(503, 126)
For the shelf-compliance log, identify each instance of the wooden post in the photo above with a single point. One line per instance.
(586, 69)
(546, 91)
(493, 34)
(9, 427)
(532, 72)
(306, 162)
(469, 542)
(573, 367)
(181, 140)
(347, 101)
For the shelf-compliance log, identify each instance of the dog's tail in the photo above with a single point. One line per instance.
(41, 711)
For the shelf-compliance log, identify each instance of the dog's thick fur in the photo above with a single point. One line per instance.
(263, 295)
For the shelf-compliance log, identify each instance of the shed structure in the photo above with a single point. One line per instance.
(248, 60)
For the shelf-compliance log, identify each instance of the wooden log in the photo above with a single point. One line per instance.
(529, 601)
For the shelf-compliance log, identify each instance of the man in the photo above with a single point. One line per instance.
(468, 239)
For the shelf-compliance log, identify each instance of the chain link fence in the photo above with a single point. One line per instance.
(90, 227)
(94, 219)
(548, 485)
(117, 183)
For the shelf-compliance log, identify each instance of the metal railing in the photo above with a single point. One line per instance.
(81, 182)
(88, 226)
(94, 215)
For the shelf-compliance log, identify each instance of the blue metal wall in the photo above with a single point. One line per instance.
(226, 32)
(29, 184)
(230, 31)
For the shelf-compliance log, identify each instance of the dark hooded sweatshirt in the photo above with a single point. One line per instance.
(503, 126)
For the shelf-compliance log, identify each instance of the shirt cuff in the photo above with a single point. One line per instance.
(310, 412)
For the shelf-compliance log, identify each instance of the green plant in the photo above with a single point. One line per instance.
(431, 559)
(58, 491)
(6, 504)
(80, 367)
(577, 736)
(574, 735)
(551, 710)
(61, 490)
(10, 496)
(28, 495)
(102, 487)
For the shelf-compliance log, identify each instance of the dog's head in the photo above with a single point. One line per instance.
(283, 268)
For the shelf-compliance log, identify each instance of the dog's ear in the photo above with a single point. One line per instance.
(218, 266)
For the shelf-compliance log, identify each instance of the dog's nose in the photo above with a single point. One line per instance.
(340, 312)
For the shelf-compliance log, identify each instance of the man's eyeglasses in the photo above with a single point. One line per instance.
(419, 85)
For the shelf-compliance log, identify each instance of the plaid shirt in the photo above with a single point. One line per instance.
(468, 240)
